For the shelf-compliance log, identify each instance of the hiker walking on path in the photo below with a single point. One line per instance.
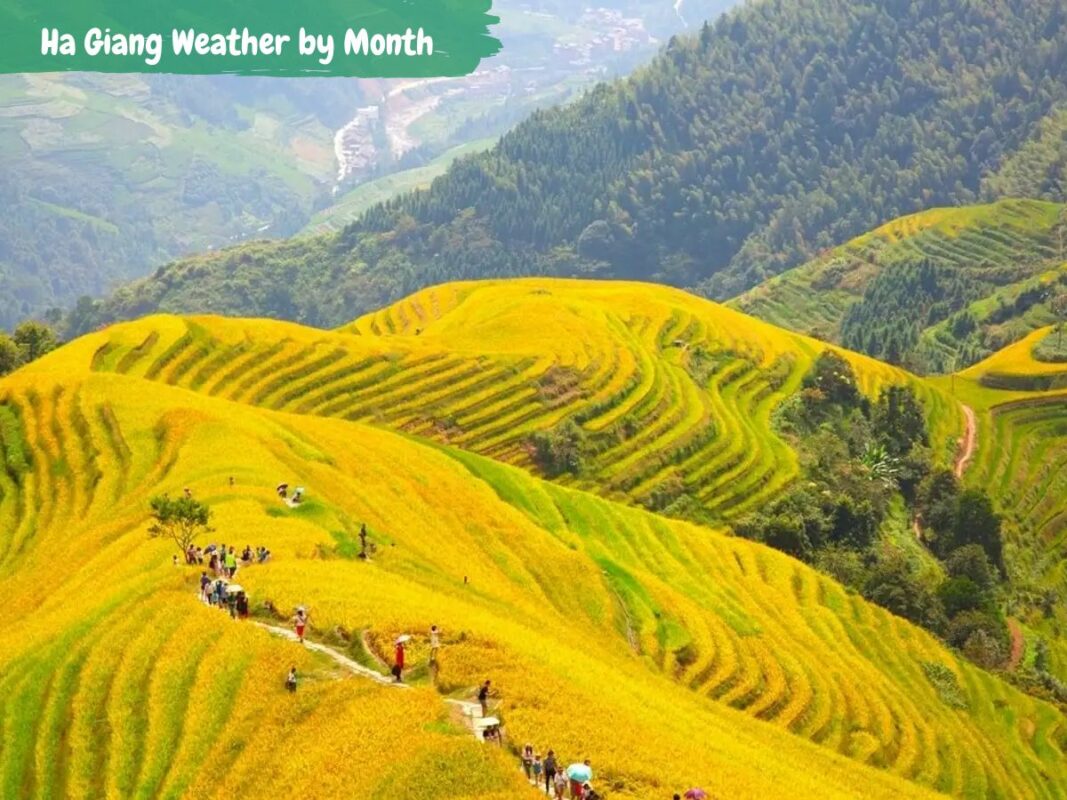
(580, 775)
(231, 562)
(242, 605)
(483, 698)
(560, 784)
(300, 622)
(290, 681)
(363, 541)
(527, 760)
(398, 664)
(550, 767)
(435, 643)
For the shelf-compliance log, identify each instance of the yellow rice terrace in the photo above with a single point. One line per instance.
(604, 538)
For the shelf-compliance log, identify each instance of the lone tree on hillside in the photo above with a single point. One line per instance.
(181, 520)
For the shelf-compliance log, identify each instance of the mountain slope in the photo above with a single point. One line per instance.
(673, 394)
(650, 649)
(1021, 459)
(786, 127)
(933, 290)
(107, 176)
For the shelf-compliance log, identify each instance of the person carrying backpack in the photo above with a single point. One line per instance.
(483, 698)
(290, 680)
(550, 767)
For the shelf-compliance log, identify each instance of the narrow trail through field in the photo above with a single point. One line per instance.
(969, 441)
(352, 666)
(470, 712)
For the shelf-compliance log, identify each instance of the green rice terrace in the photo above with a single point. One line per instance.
(935, 291)
(1021, 459)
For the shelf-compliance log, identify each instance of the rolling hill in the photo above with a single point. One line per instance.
(674, 394)
(669, 654)
(937, 290)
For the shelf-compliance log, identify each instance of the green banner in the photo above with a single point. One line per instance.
(364, 38)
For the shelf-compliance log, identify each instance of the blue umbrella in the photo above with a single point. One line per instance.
(580, 772)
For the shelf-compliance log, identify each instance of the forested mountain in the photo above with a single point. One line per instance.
(105, 177)
(934, 291)
(786, 127)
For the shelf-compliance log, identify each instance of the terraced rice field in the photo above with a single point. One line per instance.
(1007, 236)
(1021, 460)
(694, 658)
(675, 394)
(1015, 368)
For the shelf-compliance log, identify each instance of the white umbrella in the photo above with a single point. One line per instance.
(233, 588)
(403, 638)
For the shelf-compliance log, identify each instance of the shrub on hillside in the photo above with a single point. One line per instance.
(559, 450)
(898, 420)
(786, 533)
(946, 683)
(832, 380)
(961, 594)
(971, 561)
(936, 501)
(10, 356)
(977, 523)
(894, 585)
(983, 637)
(846, 566)
(30, 341)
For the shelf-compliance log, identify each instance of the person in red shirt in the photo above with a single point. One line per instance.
(398, 667)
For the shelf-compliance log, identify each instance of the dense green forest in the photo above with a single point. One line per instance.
(934, 291)
(786, 127)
